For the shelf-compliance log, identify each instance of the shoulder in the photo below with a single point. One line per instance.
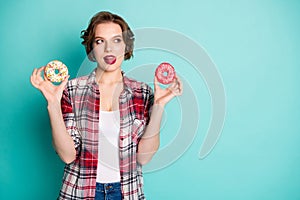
(78, 81)
(77, 85)
(137, 86)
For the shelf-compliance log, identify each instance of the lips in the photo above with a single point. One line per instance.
(110, 59)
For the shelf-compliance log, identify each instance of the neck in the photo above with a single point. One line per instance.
(109, 77)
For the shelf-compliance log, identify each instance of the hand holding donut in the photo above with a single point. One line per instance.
(51, 92)
(165, 74)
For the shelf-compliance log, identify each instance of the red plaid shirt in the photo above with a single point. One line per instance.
(80, 108)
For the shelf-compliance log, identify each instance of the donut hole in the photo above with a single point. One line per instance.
(165, 74)
(56, 71)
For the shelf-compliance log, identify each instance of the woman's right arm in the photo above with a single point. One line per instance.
(62, 141)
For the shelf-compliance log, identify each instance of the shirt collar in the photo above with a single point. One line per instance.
(126, 81)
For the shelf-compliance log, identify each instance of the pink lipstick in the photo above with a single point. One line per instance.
(110, 59)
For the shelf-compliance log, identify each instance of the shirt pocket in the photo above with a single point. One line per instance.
(138, 128)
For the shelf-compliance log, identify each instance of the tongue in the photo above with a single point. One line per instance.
(110, 59)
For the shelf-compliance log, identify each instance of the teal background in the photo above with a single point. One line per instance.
(255, 45)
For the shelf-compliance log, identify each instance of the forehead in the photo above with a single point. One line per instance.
(108, 30)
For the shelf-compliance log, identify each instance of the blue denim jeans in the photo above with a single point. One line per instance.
(108, 191)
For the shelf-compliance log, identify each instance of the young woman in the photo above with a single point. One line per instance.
(105, 126)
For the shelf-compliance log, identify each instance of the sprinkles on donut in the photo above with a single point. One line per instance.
(165, 73)
(56, 71)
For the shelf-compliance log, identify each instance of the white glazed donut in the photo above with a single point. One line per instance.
(52, 67)
(165, 73)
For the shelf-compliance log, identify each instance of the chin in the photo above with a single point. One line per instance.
(109, 68)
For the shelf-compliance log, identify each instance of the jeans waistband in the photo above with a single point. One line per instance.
(108, 186)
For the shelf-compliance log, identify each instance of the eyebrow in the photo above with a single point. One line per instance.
(115, 36)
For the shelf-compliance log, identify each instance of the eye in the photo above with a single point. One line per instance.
(99, 41)
(117, 40)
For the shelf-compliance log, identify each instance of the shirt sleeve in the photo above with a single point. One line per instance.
(69, 119)
(149, 100)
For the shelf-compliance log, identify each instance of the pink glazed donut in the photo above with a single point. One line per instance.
(165, 73)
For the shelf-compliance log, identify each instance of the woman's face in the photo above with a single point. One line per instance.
(109, 46)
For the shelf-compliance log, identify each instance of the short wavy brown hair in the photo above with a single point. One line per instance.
(88, 35)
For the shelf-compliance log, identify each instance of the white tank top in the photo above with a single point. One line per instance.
(108, 170)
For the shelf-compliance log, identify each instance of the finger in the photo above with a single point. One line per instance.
(173, 85)
(32, 80)
(35, 79)
(64, 82)
(179, 82)
(156, 84)
(33, 74)
(38, 73)
(34, 71)
(180, 86)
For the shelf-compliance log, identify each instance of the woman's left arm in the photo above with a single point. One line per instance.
(149, 142)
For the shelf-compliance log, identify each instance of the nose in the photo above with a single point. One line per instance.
(108, 47)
